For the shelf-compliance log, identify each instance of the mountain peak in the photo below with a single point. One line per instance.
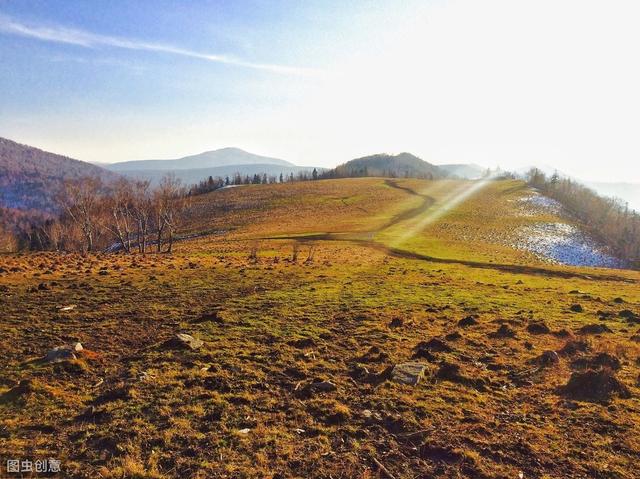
(228, 156)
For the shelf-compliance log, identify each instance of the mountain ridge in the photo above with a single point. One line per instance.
(208, 159)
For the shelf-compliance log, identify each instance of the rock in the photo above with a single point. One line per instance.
(594, 329)
(77, 347)
(184, 341)
(468, 321)
(60, 353)
(597, 386)
(538, 328)
(618, 300)
(408, 373)
(576, 308)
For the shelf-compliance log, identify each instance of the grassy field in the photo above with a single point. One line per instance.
(294, 376)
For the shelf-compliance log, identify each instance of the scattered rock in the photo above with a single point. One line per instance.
(538, 328)
(408, 373)
(594, 329)
(184, 341)
(576, 308)
(63, 353)
(596, 386)
(468, 321)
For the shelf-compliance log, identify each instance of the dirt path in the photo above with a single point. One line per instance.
(366, 239)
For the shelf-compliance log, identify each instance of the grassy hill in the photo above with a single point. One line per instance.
(306, 296)
(401, 165)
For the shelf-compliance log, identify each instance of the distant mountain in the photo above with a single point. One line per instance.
(30, 178)
(469, 172)
(403, 164)
(208, 159)
(195, 175)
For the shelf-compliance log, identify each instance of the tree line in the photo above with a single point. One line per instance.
(214, 183)
(124, 215)
(609, 220)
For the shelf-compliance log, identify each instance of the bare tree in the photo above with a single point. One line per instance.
(120, 218)
(170, 202)
(141, 210)
(80, 200)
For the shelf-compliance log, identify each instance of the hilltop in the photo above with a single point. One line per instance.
(382, 164)
(353, 328)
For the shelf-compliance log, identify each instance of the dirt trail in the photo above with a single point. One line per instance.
(427, 202)
(366, 238)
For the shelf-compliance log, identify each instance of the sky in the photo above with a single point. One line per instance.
(505, 83)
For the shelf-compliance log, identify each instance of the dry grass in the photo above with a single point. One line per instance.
(271, 326)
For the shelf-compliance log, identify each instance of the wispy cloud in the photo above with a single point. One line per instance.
(59, 34)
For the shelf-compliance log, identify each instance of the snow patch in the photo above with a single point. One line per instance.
(559, 242)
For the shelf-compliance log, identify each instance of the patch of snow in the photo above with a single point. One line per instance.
(562, 243)
(536, 204)
(559, 242)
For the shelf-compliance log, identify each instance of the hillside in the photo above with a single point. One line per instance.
(401, 165)
(354, 328)
(30, 177)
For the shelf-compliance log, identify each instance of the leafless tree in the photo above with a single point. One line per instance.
(80, 200)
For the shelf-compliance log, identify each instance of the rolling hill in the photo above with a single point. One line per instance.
(401, 165)
(30, 177)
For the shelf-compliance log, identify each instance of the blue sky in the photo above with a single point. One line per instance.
(498, 82)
